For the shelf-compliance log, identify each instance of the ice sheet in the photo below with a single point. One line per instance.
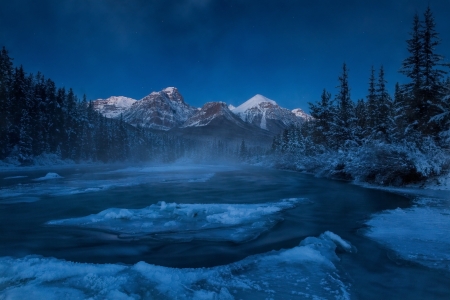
(185, 222)
(420, 234)
(306, 271)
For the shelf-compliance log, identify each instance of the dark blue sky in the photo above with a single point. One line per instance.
(214, 49)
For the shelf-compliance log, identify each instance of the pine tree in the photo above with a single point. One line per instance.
(18, 103)
(424, 93)
(6, 77)
(433, 89)
(399, 116)
(383, 123)
(362, 119)
(25, 150)
(243, 151)
(371, 102)
(344, 120)
(412, 66)
(321, 112)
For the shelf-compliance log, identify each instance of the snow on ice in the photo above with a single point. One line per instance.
(420, 234)
(185, 222)
(306, 271)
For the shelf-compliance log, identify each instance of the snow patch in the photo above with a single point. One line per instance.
(419, 234)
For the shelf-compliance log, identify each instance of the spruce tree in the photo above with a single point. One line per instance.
(412, 66)
(344, 118)
(362, 119)
(6, 77)
(322, 114)
(383, 124)
(433, 89)
(371, 102)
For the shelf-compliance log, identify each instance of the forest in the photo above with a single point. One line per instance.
(382, 139)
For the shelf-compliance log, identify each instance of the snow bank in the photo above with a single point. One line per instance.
(419, 234)
(184, 222)
(49, 176)
(306, 271)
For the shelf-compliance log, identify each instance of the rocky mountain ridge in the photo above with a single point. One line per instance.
(167, 110)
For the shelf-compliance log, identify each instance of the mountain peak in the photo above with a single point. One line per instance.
(113, 106)
(170, 90)
(253, 102)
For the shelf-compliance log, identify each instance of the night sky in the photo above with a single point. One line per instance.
(214, 50)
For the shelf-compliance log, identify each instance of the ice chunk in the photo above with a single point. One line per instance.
(303, 271)
(49, 176)
(419, 234)
(172, 221)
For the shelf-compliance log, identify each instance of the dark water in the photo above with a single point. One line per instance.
(336, 206)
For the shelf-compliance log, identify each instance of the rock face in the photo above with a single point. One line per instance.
(113, 106)
(213, 112)
(266, 114)
(162, 110)
(216, 121)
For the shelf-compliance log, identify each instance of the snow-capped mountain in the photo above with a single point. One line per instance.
(257, 119)
(300, 113)
(162, 110)
(266, 114)
(113, 106)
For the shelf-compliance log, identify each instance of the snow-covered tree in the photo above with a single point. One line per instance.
(322, 114)
(343, 124)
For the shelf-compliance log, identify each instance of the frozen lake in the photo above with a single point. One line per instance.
(202, 232)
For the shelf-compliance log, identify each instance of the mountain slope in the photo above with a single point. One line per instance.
(300, 113)
(160, 110)
(215, 121)
(113, 106)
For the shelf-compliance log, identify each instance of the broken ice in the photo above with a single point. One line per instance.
(185, 222)
(306, 271)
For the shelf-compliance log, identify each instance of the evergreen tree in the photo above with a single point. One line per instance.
(383, 124)
(412, 65)
(433, 89)
(243, 151)
(362, 119)
(371, 102)
(19, 95)
(342, 130)
(322, 114)
(6, 77)
(424, 93)
(399, 116)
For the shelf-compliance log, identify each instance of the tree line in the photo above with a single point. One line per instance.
(37, 117)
